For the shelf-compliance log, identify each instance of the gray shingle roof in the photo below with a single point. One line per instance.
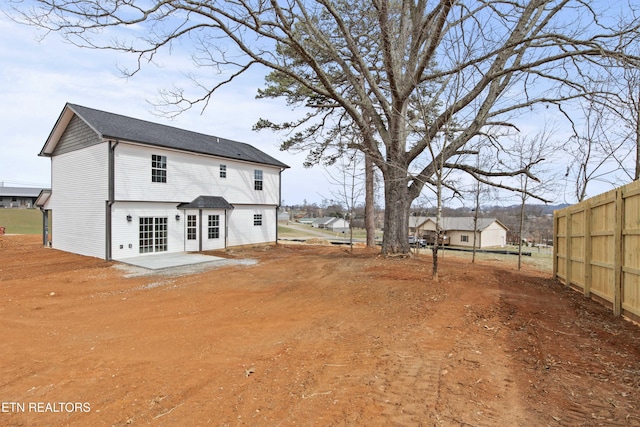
(116, 126)
(206, 202)
(19, 191)
(326, 220)
(464, 223)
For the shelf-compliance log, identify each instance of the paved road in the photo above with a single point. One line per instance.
(307, 231)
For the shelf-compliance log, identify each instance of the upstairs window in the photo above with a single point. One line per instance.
(158, 168)
(257, 180)
(223, 171)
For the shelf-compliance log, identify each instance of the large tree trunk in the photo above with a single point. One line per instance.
(396, 212)
(369, 204)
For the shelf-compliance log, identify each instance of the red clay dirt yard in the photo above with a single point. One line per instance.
(307, 335)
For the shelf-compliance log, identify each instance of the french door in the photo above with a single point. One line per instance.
(153, 234)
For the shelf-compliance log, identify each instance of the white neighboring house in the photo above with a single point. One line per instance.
(459, 231)
(123, 187)
(331, 223)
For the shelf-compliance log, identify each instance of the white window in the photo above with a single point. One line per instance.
(214, 226)
(223, 171)
(153, 234)
(257, 180)
(192, 228)
(257, 219)
(464, 238)
(158, 168)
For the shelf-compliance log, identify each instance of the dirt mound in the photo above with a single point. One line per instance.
(318, 241)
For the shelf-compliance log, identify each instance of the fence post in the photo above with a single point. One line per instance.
(568, 248)
(587, 248)
(617, 254)
(555, 244)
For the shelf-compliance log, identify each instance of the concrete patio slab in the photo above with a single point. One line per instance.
(168, 260)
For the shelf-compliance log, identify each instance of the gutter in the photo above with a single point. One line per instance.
(110, 200)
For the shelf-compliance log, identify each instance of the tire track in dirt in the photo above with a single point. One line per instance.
(408, 388)
(597, 415)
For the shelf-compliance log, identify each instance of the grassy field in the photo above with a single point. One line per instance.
(285, 232)
(21, 221)
(540, 258)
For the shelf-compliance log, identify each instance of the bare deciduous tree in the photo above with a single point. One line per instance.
(595, 152)
(530, 152)
(349, 185)
(622, 137)
(367, 60)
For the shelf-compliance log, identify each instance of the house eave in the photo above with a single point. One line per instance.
(43, 198)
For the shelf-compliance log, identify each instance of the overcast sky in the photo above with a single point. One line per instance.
(39, 76)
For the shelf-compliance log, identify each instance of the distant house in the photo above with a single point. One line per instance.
(283, 216)
(414, 224)
(18, 197)
(331, 223)
(123, 187)
(460, 231)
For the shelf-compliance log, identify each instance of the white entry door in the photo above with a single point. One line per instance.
(192, 232)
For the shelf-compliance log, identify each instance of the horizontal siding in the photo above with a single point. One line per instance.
(494, 237)
(243, 232)
(190, 176)
(455, 238)
(125, 234)
(78, 200)
(220, 242)
(202, 234)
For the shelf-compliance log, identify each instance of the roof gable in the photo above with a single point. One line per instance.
(118, 127)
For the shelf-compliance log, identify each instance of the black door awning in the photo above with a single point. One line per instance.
(206, 202)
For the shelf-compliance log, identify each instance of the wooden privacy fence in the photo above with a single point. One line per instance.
(597, 248)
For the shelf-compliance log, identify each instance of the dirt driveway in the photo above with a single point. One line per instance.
(309, 335)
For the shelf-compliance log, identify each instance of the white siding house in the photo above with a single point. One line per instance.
(460, 231)
(123, 187)
(331, 223)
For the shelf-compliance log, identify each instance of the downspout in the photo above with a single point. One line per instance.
(200, 231)
(279, 201)
(110, 200)
(45, 227)
(226, 229)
